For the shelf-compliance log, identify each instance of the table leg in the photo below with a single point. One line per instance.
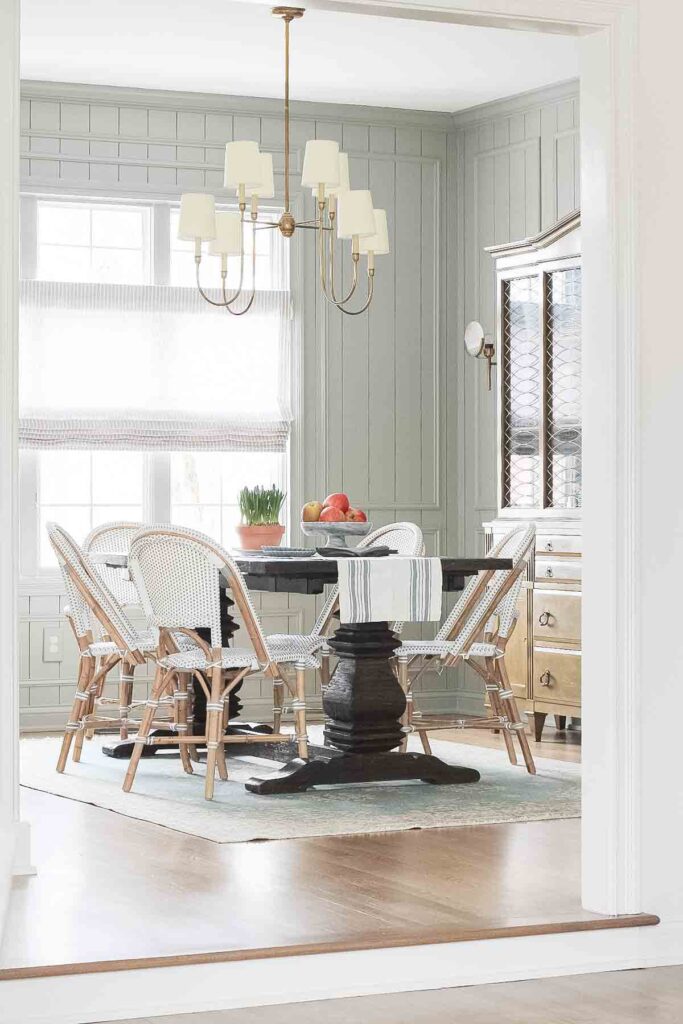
(364, 704)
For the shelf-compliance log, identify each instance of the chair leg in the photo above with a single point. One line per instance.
(214, 717)
(161, 679)
(181, 697)
(406, 717)
(126, 670)
(494, 688)
(86, 669)
(221, 763)
(299, 705)
(426, 745)
(325, 680)
(516, 718)
(278, 702)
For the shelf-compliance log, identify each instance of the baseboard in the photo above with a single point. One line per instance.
(84, 999)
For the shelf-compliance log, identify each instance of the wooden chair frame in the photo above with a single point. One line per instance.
(506, 717)
(220, 682)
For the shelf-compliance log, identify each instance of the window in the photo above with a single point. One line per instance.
(80, 490)
(205, 488)
(104, 290)
(87, 242)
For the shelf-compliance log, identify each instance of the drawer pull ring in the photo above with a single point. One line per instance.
(545, 678)
(549, 546)
(549, 572)
(544, 618)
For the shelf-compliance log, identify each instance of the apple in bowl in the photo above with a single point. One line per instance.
(311, 512)
(331, 514)
(355, 515)
(339, 501)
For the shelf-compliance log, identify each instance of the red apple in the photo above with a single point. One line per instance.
(330, 514)
(310, 513)
(339, 501)
(356, 515)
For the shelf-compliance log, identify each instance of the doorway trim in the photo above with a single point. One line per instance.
(612, 841)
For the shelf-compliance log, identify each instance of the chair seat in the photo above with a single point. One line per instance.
(146, 642)
(442, 648)
(289, 648)
(195, 659)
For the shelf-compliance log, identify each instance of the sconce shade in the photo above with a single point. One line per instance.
(344, 182)
(243, 164)
(197, 217)
(228, 240)
(356, 215)
(321, 164)
(379, 242)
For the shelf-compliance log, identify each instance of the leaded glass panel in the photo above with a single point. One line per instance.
(522, 392)
(563, 388)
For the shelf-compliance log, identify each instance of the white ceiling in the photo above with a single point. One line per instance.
(236, 48)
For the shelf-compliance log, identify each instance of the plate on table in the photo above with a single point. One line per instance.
(288, 552)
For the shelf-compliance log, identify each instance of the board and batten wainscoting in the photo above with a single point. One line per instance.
(387, 408)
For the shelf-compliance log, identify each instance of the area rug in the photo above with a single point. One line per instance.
(166, 796)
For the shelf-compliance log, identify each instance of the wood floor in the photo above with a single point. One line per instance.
(112, 891)
(652, 996)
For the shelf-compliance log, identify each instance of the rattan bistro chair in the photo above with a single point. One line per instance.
(179, 574)
(476, 632)
(105, 638)
(114, 537)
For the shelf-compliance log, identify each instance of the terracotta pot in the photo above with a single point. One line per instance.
(253, 538)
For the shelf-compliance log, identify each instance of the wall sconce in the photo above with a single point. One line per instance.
(478, 344)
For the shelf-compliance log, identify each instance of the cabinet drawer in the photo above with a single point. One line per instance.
(566, 570)
(549, 544)
(557, 676)
(557, 616)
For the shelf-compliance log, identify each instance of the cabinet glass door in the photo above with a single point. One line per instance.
(563, 389)
(522, 392)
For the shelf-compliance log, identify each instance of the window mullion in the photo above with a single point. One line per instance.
(157, 487)
(161, 244)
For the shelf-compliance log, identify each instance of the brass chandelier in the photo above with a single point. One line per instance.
(342, 211)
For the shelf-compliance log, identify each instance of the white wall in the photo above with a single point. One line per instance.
(9, 109)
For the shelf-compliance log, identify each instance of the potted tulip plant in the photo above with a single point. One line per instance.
(260, 509)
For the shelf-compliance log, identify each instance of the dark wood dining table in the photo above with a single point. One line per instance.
(363, 702)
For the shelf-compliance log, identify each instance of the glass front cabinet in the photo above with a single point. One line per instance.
(538, 349)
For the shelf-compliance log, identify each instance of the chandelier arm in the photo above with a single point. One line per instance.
(371, 288)
(228, 306)
(203, 294)
(354, 282)
(228, 302)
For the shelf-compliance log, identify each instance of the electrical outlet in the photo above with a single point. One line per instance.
(53, 643)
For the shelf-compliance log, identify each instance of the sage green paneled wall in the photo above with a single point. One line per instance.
(388, 408)
(517, 172)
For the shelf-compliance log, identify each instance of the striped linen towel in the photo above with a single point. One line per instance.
(387, 589)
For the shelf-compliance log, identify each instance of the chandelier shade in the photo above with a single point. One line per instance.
(379, 242)
(243, 165)
(228, 240)
(343, 186)
(356, 215)
(341, 212)
(197, 217)
(321, 164)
